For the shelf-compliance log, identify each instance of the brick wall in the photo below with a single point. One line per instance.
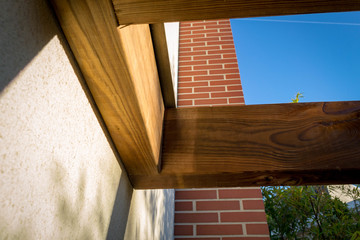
(208, 69)
(209, 75)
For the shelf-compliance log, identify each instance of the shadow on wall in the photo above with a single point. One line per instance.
(120, 212)
(90, 216)
(12, 15)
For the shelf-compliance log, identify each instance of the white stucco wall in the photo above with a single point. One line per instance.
(59, 175)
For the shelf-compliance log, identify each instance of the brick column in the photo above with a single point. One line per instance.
(209, 76)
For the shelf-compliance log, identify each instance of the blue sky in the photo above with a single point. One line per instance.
(316, 54)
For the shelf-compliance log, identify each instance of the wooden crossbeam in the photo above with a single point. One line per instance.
(280, 144)
(154, 11)
(119, 67)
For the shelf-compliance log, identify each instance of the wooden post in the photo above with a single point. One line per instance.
(120, 69)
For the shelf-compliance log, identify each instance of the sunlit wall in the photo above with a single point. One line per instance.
(59, 175)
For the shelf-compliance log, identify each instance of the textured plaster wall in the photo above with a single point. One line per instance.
(59, 175)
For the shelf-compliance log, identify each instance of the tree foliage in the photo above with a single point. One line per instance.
(308, 212)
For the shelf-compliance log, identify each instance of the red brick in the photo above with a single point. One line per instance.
(223, 24)
(224, 21)
(198, 194)
(185, 24)
(185, 79)
(218, 34)
(193, 53)
(225, 30)
(185, 90)
(228, 47)
(191, 36)
(240, 193)
(234, 88)
(206, 48)
(185, 32)
(217, 205)
(233, 55)
(184, 49)
(224, 82)
(209, 77)
(193, 96)
(232, 76)
(183, 230)
(190, 63)
(208, 67)
(185, 68)
(205, 31)
(210, 101)
(207, 57)
(183, 206)
(196, 217)
(215, 61)
(224, 71)
(257, 229)
(185, 102)
(185, 58)
(253, 204)
(182, 41)
(222, 51)
(205, 39)
(226, 94)
(193, 84)
(219, 42)
(237, 100)
(214, 43)
(192, 73)
(229, 229)
(217, 26)
(197, 44)
(226, 38)
(243, 217)
(246, 238)
(192, 28)
(232, 65)
(209, 89)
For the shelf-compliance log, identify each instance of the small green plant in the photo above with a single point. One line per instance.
(297, 97)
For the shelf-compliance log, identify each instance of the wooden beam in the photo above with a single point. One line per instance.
(280, 144)
(140, 11)
(120, 70)
(163, 64)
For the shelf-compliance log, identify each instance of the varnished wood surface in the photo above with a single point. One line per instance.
(155, 11)
(280, 144)
(120, 70)
(163, 64)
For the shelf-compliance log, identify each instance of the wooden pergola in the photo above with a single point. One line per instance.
(165, 147)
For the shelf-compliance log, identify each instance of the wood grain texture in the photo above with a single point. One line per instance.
(120, 70)
(280, 144)
(155, 11)
(163, 64)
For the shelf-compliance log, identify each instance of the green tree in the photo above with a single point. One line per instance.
(308, 212)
